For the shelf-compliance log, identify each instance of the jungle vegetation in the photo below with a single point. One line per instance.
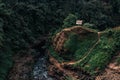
(24, 21)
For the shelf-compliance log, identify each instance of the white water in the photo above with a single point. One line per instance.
(40, 70)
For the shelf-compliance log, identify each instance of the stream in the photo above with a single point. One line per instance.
(40, 69)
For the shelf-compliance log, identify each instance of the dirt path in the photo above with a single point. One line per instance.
(112, 72)
(60, 72)
(86, 54)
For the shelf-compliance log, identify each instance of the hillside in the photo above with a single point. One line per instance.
(37, 39)
(88, 50)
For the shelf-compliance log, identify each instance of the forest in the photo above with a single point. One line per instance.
(40, 40)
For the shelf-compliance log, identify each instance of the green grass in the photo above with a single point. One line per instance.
(101, 55)
(78, 46)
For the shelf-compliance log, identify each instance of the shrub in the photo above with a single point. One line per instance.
(98, 62)
(69, 21)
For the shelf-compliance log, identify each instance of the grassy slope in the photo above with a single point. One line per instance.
(91, 60)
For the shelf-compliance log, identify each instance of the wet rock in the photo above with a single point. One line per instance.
(40, 70)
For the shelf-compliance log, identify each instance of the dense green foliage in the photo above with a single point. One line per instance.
(101, 13)
(5, 52)
(69, 21)
(24, 21)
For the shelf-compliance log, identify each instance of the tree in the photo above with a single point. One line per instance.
(69, 21)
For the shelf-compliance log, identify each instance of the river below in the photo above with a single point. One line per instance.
(40, 70)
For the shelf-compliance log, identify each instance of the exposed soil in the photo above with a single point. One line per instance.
(61, 72)
(22, 67)
(112, 72)
(62, 36)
